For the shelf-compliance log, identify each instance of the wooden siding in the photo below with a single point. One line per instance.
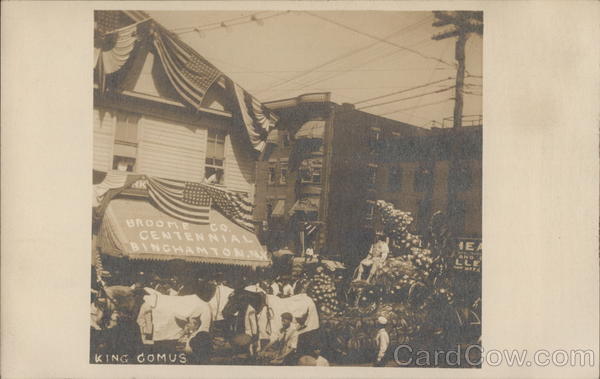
(171, 150)
(240, 169)
(104, 126)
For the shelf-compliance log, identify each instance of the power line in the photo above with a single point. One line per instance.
(408, 98)
(339, 57)
(380, 39)
(341, 71)
(432, 73)
(192, 28)
(404, 90)
(228, 23)
(414, 27)
(383, 56)
(416, 106)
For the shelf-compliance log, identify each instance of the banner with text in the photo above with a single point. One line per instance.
(136, 229)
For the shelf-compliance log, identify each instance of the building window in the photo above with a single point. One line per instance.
(272, 174)
(214, 169)
(123, 163)
(393, 146)
(423, 179)
(374, 138)
(456, 217)
(371, 176)
(305, 175)
(424, 213)
(308, 175)
(316, 175)
(126, 142)
(460, 180)
(285, 139)
(370, 210)
(395, 179)
(283, 172)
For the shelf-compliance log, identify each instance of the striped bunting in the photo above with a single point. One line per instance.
(257, 118)
(189, 73)
(191, 202)
(234, 206)
(182, 200)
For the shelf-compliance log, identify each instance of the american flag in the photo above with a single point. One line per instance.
(235, 206)
(190, 74)
(183, 200)
(192, 201)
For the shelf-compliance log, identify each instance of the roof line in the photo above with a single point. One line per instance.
(316, 97)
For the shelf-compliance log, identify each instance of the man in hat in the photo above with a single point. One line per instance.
(382, 339)
(375, 259)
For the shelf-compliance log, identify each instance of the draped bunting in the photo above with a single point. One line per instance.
(112, 180)
(113, 49)
(258, 119)
(183, 200)
(188, 72)
(113, 184)
(186, 201)
(115, 58)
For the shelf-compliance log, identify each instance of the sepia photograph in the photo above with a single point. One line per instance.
(287, 188)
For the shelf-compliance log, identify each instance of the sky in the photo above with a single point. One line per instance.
(361, 57)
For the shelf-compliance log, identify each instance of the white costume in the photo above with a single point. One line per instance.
(375, 259)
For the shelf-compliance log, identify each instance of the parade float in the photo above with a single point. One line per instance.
(413, 290)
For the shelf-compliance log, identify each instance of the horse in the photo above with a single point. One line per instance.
(116, 331)
(269, 309)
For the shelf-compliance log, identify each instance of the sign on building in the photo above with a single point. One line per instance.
(468, 255)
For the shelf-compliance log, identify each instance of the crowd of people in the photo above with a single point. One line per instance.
(282, 348)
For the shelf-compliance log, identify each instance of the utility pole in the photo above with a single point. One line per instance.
(464, 23)
(460, 79)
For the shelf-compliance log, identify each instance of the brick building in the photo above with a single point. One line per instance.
(316, 180)
(416, 175)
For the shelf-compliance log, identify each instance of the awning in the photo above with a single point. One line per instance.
(305, 205)
(279, 209)
(312, 130)
(137, 230)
